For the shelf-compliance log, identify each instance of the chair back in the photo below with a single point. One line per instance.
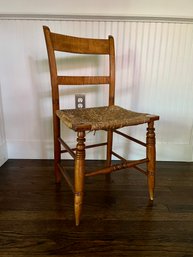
(76, 45)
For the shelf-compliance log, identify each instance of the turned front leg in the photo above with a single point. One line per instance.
(79, 175)
(151, 155)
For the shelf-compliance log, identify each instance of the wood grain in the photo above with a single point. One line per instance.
(37, 219)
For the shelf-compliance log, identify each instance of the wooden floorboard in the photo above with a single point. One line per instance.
(36, 216)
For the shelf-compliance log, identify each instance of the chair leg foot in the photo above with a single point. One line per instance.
(150, 203)
(78, 198)
(151, 183)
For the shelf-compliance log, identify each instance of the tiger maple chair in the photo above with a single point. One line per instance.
(107, 118)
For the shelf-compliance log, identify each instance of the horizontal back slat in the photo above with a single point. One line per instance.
(79, 45)
(82, 80)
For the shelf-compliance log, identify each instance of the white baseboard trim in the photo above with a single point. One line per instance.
(3, 154)
(44, 150)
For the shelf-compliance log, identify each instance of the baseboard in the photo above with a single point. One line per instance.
(3, 154)
(44, 150)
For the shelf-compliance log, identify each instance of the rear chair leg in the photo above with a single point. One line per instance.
(151, 155)
(79, 176)
(57, 150)
(57, 171)
(109, 153)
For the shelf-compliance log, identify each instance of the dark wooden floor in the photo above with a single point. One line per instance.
(36, 217)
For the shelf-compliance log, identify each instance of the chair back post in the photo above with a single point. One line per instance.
(55, 100)
(53, 68)
(111, 71)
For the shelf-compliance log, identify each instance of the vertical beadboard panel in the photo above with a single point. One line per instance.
(154, 63)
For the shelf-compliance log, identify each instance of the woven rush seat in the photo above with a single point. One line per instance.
(106, 117)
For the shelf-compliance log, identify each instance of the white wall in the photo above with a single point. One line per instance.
(173, 8)
(153, 58)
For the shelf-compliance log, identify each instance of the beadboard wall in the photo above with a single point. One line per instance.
(154, 60)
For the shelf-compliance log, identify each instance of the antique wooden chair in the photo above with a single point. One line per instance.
(107, 118)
